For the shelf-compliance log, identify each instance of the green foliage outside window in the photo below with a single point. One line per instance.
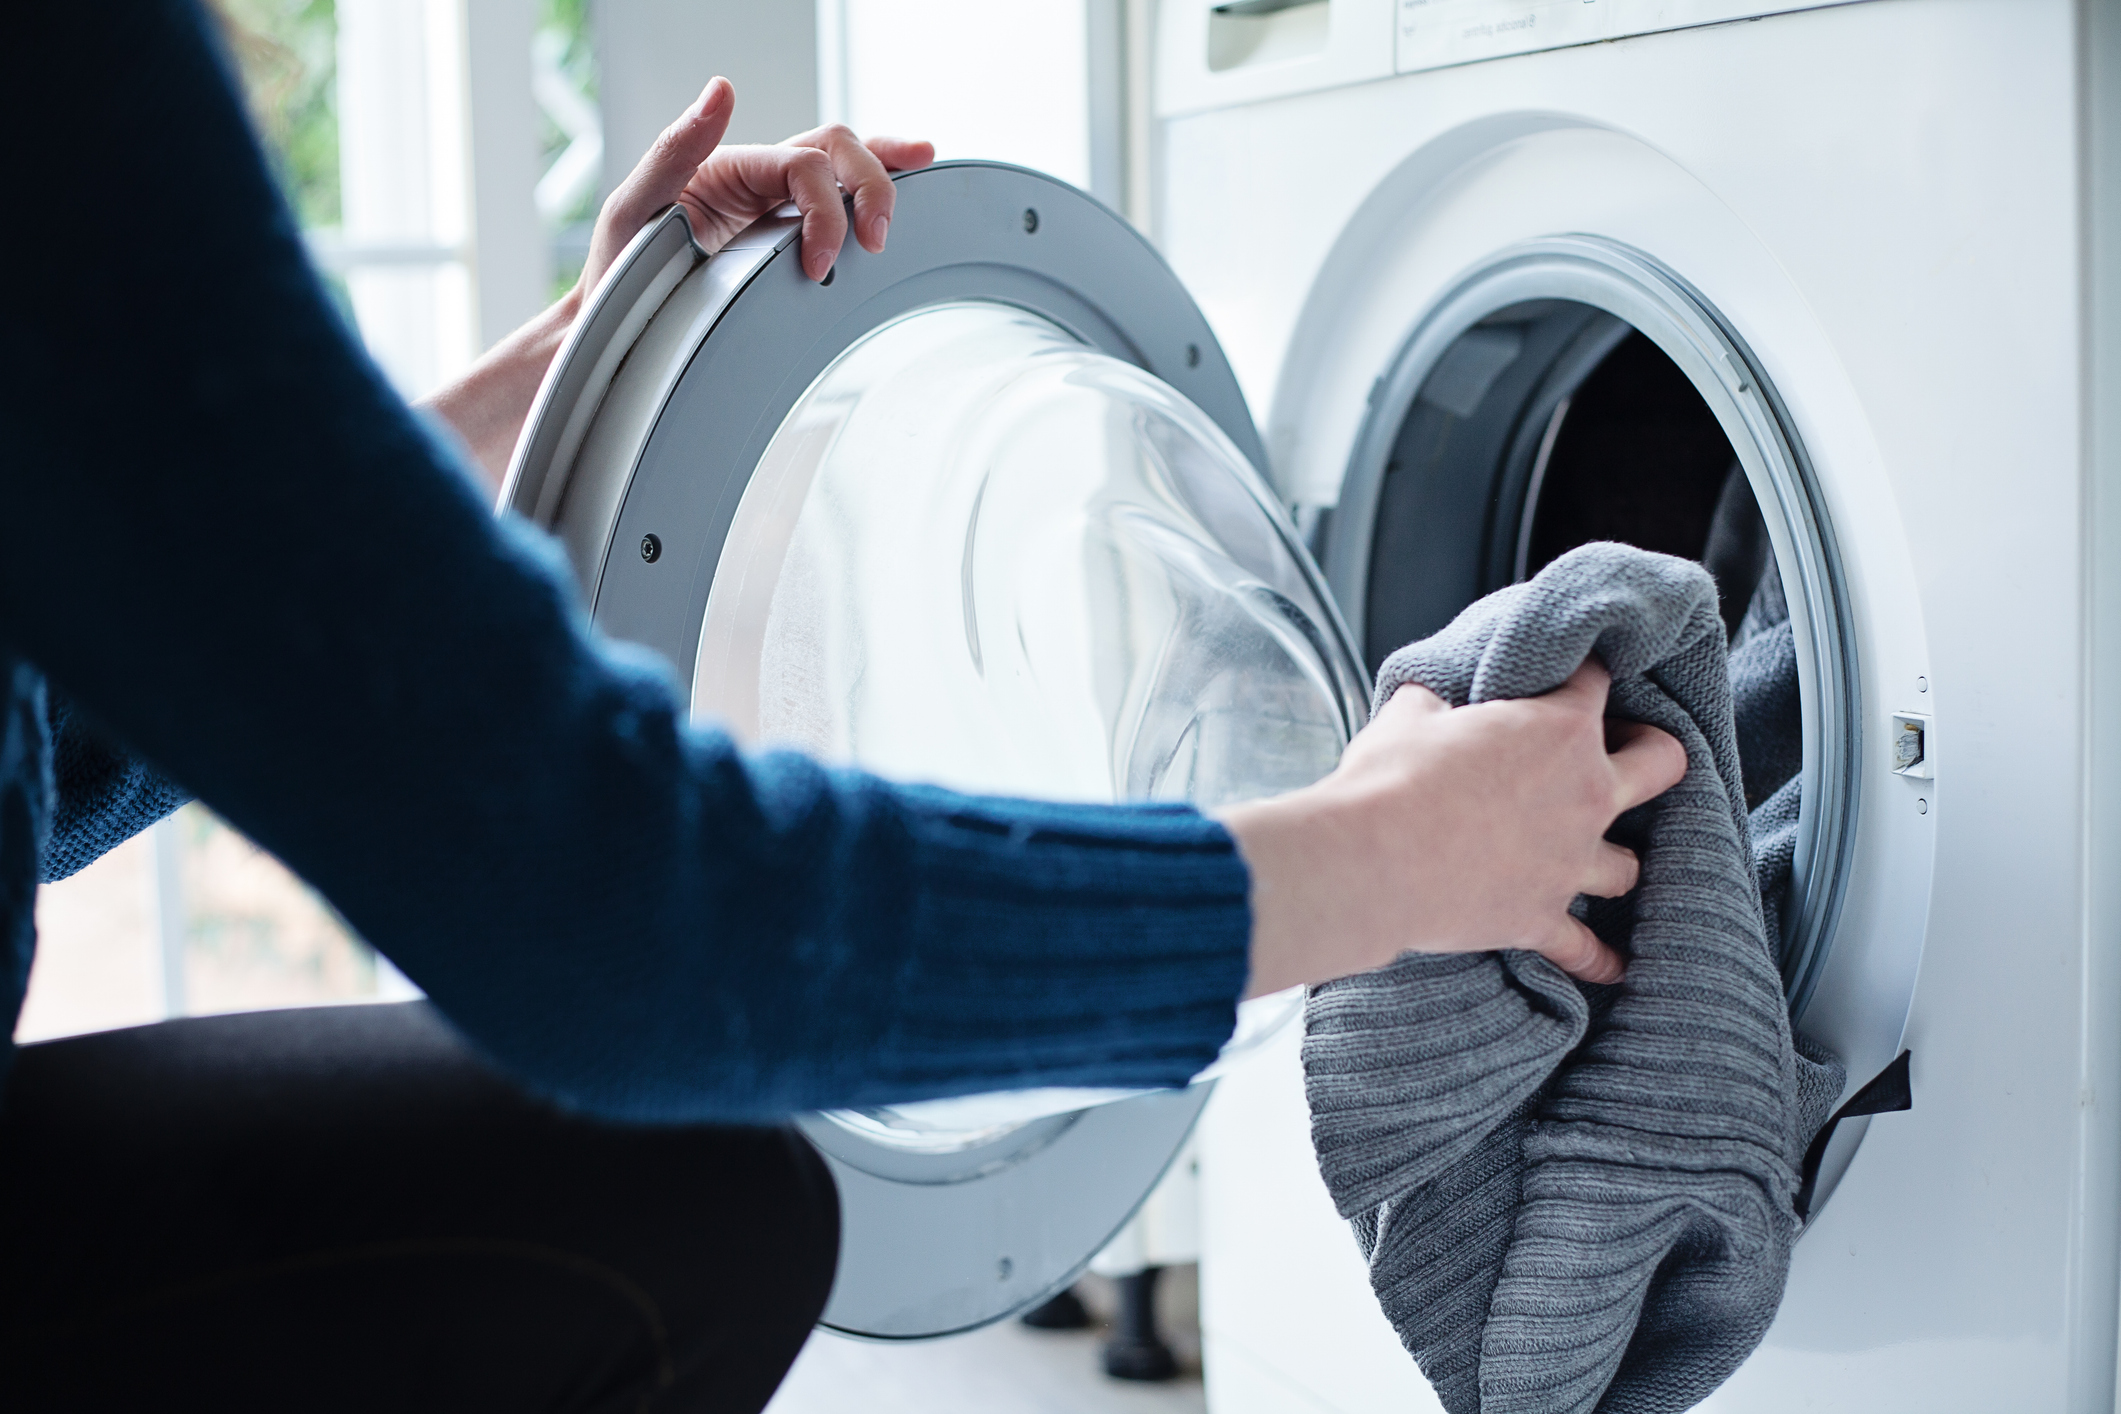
(570, 20)
(286, 50)
(564, 24)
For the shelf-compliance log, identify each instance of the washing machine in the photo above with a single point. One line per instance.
(1501, 275)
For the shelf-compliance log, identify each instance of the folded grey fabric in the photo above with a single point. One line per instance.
(1578, 1198)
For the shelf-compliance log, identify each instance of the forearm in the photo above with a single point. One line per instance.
(487, 406)
(723, 936)
(1063, 945)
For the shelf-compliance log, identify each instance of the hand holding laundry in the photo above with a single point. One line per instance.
(1582, 1199)
(1452, 830)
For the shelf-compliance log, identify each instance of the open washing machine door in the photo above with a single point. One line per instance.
(983, 511)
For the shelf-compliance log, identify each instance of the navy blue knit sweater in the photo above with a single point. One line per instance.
(234, 551)
(102, 795)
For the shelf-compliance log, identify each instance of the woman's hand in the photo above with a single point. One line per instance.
(723, 190)
(1452, 830)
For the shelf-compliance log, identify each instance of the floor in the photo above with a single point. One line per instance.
(1006, 1368)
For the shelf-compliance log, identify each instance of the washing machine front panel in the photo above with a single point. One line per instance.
(1918, 315)
(981, 511)
(1548, 210)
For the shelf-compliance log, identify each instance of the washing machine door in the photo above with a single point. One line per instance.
(982, 510)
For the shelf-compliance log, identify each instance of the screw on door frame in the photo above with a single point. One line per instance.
(651, 548)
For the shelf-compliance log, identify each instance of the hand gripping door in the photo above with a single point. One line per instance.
(982, 510)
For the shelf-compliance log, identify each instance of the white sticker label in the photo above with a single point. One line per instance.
(1433, 33)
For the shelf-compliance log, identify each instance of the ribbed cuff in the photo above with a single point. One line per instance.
(1064, 945)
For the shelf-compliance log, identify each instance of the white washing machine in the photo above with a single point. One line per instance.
(991, 508)
(1497, 273)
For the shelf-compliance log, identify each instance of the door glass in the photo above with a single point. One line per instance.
(980, 553)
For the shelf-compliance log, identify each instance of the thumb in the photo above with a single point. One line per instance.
(1578, 951)
(659, 178)
(1410, 698)
(680, 148)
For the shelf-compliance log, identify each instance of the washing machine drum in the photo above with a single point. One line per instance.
(982, 510)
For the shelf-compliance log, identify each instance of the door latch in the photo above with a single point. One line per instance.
(1911, 746)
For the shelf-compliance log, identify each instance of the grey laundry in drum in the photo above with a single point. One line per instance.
(1766, 716)
(1574, 1197)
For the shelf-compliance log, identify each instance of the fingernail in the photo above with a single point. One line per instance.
(883, 224)
(699, 105)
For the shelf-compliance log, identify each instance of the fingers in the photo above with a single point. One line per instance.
(816, 194)
(1586, 688)
(864, 176)
(1646, 763)
(1577, 951)
(900, 154)
(813, 171)
(662, 173)
(1616, 870)
(658, 179)
(1413, 697)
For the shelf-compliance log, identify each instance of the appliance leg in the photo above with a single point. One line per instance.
(1063, 1311)
(1134, 1350)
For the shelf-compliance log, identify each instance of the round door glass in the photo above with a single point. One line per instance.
(982, 554)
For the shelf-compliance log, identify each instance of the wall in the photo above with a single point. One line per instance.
(654, 57)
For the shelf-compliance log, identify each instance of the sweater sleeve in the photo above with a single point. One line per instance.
(228, 540)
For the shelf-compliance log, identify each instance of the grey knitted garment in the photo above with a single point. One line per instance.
(1769, 724)
(1578, 1198)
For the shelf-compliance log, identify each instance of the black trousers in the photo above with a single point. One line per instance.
(343, 1209)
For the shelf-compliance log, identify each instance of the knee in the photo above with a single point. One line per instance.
(761, 1254)
(813, 1218)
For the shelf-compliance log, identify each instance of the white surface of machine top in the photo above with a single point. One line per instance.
(1216, 53)
(1433, 33)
